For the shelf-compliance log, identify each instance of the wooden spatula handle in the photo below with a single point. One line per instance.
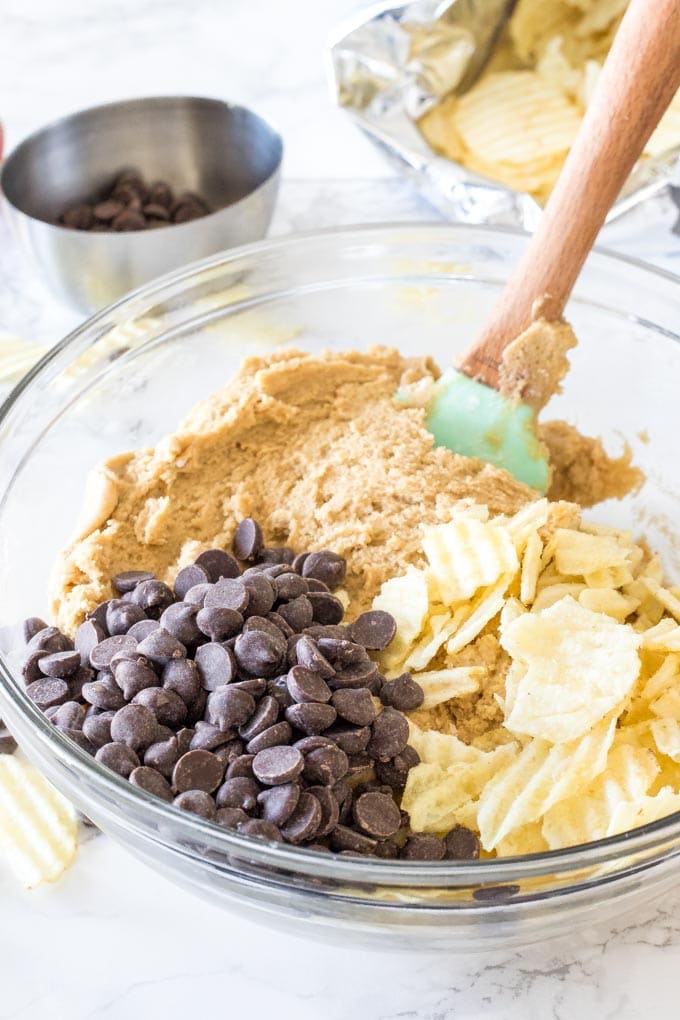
(638, 81)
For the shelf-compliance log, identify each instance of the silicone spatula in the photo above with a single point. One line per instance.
(640, 77)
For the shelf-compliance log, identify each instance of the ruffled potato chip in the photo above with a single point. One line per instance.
(467, 555)
(580, 665)
(442, 685)
(407, 599)
(580, 554)
(539, 777)
(38, 827)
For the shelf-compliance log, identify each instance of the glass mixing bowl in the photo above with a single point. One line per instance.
(130, 373)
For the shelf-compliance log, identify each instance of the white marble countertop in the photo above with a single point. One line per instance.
(114, 940)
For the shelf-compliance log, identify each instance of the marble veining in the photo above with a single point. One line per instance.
(113, 940)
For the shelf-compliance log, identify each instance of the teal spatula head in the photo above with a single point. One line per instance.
(475, 420)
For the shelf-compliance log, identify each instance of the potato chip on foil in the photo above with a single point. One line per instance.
(38, 827)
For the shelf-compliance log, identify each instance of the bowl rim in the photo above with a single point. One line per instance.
(444, 874)
(7, 165)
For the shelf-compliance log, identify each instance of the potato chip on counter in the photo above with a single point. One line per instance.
(38, 827)
(548, 651)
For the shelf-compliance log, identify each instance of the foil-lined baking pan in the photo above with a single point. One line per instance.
(385, 89)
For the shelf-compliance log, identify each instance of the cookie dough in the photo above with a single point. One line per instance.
(312, 447)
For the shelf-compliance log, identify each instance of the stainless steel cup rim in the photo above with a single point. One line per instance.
(20, 151)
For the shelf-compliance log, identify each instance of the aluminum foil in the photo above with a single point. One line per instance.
(377, 78)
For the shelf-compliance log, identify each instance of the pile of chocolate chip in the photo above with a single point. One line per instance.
(132, 204)
(242, 697)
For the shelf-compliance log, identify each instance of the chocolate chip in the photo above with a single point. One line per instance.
(275, 766)
(198, 802)
(257, 686)
(48, 692)
(153, 597)
(135, 726)
(179, 619)
(8, 744)
(230, 818)
(242, 765)
(78, 217)
(118, 757)
(160, 647)
(128, 219)
(104, 693)
(129, 579)
(304, 686)
(402, 693)
(356, 706)
(461, 844)
(101, 654)
(32, 626)
(279, 556)
(307, 744)
(120, 616)
(49, 640)
(326, 608)
(240, 792)
(298, 562)
(423, 846)
(264, 716)
(354, 677)
(343, 838)
(196, 595)
(307, 654)
(289, 586)
(493, 893)
(327, 567)
(216, 665)
(152, 781)
(182, 677)
(248, 541)
(141, 630)
(97, 726)
(60, 664)
(304, 821)
(208, 737)
(160, 193)
(389, 735)
(330, 810)
(280, 624)
(228, 707)
(133, 676)
(279, 733)
(278, 803)
(377, 815)
(198, 770)
(394, 773)
(325, 765)
(374, 629)
(260, 594)
(219, 623)
(88, 635)
(297, 613)
(163, 756)
(168, 707)
(30, 669)
(339, 651)
(188, 578)
(218, 564)
(311, 717)
(229, 593)
(259, 654)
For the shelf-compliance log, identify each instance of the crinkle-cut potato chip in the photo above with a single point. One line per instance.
(581, 554)
(38, 827)
(531, 567)
(554, 593)
(407, 599)
(539, 777)
(442, 749)
(435, 796)
(581, 665)
(663, 596)
(526, 523)
(610, 577)
(589, 814)
(610, 602)
(516, 673)
(599, 16)
(664, 637)
(516, 119)
(441, 685)
(468, 554)
(557, 71)
(440, 628)
(488, 605)
(666, 733)
(512, 609)
(528, 839)
(535, 22)
(643, 811)
(667, 705)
